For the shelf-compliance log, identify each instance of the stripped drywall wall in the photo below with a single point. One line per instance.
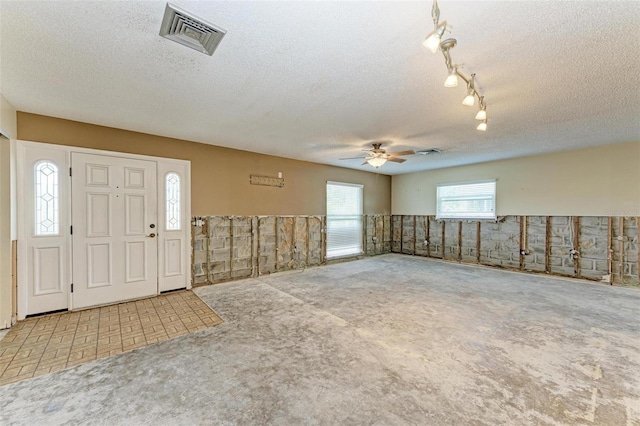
(234, 247)
(597, 248)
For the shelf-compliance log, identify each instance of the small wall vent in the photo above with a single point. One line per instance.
(184, 28)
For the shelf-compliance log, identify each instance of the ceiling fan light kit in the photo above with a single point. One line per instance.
(379, 156)
(432, 42)
(377, 161)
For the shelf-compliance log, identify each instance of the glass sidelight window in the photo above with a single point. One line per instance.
(172, 188)
(47, 198)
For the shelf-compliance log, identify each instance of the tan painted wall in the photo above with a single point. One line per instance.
(220, 176)
(8, 129)
(601, 181)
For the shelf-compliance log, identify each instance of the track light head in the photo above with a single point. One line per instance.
(482, 112)
(482, 126)
(470, 99)
(432, 42)
(452, 79)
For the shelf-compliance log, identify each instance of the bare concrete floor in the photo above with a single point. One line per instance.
(387, 340)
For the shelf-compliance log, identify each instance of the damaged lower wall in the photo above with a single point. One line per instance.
(235, 247)
(592, 247)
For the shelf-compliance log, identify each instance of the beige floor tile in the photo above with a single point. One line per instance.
(51, 343)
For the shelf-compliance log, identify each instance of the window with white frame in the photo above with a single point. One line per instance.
(47, 198)
(344, 219)
(468, 200)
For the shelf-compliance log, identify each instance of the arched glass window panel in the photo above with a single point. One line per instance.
(47, 198)
(172, 188)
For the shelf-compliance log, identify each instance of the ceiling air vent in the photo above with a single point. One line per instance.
(429, 151)
(186, 29)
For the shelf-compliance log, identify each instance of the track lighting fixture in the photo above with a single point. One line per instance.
(432, 42)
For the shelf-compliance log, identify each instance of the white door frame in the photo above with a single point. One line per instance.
(164, 164)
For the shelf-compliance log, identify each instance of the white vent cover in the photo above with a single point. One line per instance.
(429, 151)
(188, 30)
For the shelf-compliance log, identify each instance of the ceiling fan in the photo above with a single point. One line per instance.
(378, 156)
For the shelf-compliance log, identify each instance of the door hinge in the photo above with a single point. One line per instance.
(71, 287)
(71, 229)
(69, 171)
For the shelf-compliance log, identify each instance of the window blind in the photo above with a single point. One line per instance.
(344, 219)
(473, 200)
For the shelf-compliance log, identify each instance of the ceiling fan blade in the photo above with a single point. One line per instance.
(396, 160)
(351, 158)
(395, 154)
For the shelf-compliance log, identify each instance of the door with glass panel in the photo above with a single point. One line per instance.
(44, 223)
(114, 215)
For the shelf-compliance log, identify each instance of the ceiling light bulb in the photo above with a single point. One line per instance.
(482, 114)
(432, 42)
(469, 100)
(482, 126)
(452, 80)
(377, 161)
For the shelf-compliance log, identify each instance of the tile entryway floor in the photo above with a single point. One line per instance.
(50, 343)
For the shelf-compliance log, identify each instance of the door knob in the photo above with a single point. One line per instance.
(151, 235)
(152, 226)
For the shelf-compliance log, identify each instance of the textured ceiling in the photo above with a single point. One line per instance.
(318, 81)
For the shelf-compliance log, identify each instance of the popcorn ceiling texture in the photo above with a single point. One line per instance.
(318, 81)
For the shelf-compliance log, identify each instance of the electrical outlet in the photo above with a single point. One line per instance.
(524, 252)
(425, 243)
(374, 240)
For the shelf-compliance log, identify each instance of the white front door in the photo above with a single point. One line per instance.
(114, 219)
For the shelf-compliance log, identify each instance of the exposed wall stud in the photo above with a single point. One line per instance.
(443, 239)
(522, 237)
(277, 249)
(547, 246)
(621, 248)
(231, 247)
(610, 249)
(576, 245)
(428, 225)
(205, 223)
(460, 241)
(414, 235)
(308, 242)
(253, 256)
(323, 233)
(259, 252)
(478, 245)
(293, 247)
(401, 233)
